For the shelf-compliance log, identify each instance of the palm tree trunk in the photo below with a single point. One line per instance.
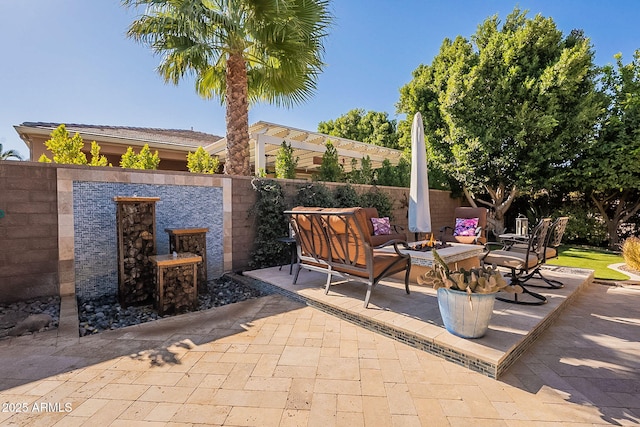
(237, 117)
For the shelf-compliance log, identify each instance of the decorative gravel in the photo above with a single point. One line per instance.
(105, 313)
(12, 314)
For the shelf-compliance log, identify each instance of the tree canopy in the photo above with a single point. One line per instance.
(202, 162)
(67, 149)
(608, 170)
(9, 154)
(506, 110)
(143, 160)
(371, 127)
(241, 52)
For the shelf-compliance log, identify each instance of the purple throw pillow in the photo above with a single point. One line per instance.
(465, 227)
(381, 226)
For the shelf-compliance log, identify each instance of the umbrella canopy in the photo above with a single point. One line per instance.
(419, 211)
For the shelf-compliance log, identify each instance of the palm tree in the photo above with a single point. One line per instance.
(240, 51)
(4, 155)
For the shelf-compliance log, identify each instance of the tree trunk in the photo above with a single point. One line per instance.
(237, 117)
(615, 209)
(498, 207)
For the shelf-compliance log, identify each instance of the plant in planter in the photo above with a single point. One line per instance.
(466, 297)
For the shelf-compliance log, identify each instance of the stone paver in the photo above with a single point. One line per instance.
(274, 362)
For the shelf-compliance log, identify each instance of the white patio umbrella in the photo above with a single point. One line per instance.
(419, 211)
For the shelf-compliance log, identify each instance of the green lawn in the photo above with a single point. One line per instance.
(591, 258)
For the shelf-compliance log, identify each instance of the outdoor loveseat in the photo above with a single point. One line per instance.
(338, 242)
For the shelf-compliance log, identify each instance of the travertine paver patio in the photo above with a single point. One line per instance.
(275, 362)
(415, 318)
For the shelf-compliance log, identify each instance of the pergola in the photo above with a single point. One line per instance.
(266, 138)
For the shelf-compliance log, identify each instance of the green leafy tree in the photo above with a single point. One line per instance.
(240, 52)
(143, 160)
(371, 127)
(507, 110)
(362, 175)
(202, 162)
(394, 175)
(608, 170)
(67, 149)
(96, 158)
(9, 154)
(330, 169)
(285, 163)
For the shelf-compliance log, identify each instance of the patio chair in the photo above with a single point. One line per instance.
(471, 226)
(552, 243)
(522, 264)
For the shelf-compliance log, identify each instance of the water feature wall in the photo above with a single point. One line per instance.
(94, 217)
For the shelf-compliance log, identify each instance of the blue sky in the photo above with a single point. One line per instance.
(69, 61)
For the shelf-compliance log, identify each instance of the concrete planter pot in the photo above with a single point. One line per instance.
(462, 318)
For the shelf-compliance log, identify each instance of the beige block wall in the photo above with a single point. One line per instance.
(37, 235)
(28, 231)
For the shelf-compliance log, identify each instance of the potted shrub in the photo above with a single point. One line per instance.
(466, 297)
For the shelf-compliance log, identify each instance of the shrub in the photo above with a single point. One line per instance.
(67, 149)
(379, 200)
(314, 194)
(271, 224)
(330, 169)
(631, 252)
(394, 176)
(285, 163)
(584, 226)
(144, 160)
(345, 196)
(202, 162)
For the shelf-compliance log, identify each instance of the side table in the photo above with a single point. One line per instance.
(291, 244)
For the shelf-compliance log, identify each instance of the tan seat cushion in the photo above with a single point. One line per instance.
(384, 238)
(511, 259)
(381, 261)
(549, 252)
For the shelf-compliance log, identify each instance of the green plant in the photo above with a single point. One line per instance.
(345, 196)
(379, 200)
(4, 155)
(314, 194)
(481, 280)
(242, 52)
(631, 252)
(270, 222)
(96, 158)
(68, 149)
(364, 175)
(330, 169)
(584, 227)
(285, 163)
(394, 175)
(143, 160)
(202, 162)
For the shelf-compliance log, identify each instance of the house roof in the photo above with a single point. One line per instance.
(266, 138)
(179, 139)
